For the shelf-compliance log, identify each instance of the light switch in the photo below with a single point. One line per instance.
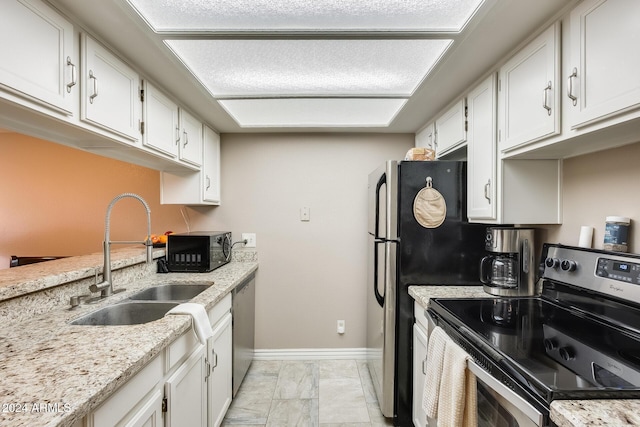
(305, 214)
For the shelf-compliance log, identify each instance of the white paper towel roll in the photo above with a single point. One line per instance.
(586, 235)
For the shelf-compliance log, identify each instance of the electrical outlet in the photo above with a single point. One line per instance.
(250, 238)
(341, 326)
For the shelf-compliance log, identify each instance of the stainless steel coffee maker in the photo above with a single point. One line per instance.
(509, 269)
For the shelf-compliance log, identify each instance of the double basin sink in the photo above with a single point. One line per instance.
(144, 306)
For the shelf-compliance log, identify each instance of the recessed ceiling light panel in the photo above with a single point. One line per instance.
(303, 15)
(313, 112)
(309, 67)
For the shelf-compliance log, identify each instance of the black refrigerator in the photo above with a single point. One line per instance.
(419, 234)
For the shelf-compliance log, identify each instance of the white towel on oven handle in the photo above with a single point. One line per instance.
(199, 317)
(435, 359)
(457, 403)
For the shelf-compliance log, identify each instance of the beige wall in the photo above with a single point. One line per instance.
(596, 186)
(54, 199)
(311, 273)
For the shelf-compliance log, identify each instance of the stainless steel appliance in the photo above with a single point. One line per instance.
(510, 269)
(409, 248)
(244, 308)
(580, 339)
(198, 251)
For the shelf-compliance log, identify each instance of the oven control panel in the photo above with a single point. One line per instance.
(622, 271)
(601, 271)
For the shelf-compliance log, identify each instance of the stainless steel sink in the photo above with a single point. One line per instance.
(170, 292)
(126, 313)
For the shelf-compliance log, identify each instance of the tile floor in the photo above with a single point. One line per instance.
(318, 393)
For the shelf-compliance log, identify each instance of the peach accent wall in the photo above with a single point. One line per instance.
(54, 200)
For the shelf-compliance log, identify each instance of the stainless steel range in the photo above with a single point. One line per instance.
(580, 339)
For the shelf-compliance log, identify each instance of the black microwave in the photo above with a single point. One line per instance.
(198, 251)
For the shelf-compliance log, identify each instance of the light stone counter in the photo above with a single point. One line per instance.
(565, 413)
(45, 360)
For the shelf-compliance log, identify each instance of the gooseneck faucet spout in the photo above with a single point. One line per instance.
(106, 286)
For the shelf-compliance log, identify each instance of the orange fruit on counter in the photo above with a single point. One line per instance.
(162, 239)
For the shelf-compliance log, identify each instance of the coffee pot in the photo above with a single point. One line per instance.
(509, 268)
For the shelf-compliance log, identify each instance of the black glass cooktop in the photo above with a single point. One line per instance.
(556, 352)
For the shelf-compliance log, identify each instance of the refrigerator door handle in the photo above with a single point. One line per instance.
(376, 293)
(381, 182)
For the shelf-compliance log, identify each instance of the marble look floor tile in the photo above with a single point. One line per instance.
(367, 384)
(342, 401)
(338, 369)
(293, 413)
(246, 409)
(265, 367)
(377, 419)
(297, 380)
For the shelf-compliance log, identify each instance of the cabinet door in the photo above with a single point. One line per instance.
(186, 392)
(160, 121)
(529, 95)
(211, 167)
(482, 151)
(451, 128)
(220, 356)
(150, 414)
(426, 137)
(603, 78)
(419, 373)
(109, 91)
(190, 138)
(37, 54)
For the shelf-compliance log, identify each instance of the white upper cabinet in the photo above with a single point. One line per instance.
(190, 138)
(160, 127)
(529, 95)
(211, 167)
(37, 50)
(426, 137)
(481, 151)
(602, 77)
(450, 129)
(109, 91)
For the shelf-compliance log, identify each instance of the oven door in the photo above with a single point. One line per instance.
(499, 406)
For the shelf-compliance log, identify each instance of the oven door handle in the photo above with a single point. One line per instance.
(516, 400)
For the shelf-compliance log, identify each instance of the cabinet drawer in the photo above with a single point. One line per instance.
(180, 349)
(220, 309)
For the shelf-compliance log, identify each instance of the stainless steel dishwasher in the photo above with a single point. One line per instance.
(244, 304)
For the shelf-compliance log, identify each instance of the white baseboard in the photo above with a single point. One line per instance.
(310, 354)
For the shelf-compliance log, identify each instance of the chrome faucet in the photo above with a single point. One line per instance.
(106, 286)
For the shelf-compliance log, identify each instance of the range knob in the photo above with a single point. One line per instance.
(550, 344)
(552, 262)
(567, 353)
(568, 265)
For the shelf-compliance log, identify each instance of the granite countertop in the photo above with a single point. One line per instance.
(565, 413)
(46, 361)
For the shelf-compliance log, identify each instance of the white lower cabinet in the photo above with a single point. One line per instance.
(188, 384)
(186, 392)
(420, 340)
(130, 404)
(219, 381)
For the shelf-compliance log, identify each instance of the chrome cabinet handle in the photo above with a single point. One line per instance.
(545, 98)
(74, 77)
(177, 135)
(487, 188)
(208, 182)
(95, 86)
(570, 94)
(186, 138)
(424, 366)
